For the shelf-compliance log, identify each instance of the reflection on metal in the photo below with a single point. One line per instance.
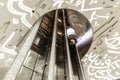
(97, 11)
(51, 73)
(83, 30)
(81, 66)
(66, 48)
(60, 51)
(68, 51)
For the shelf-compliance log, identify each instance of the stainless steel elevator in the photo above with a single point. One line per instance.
(61, 42)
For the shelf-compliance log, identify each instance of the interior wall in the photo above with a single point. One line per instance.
(101, 62)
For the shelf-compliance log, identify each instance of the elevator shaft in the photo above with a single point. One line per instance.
(57, 47)
(71, 70)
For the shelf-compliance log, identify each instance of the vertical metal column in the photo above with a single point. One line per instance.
(51, 72)
(26, 44)
(82, 77)
(68, 51)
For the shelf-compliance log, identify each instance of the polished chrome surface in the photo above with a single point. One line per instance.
(51, 72)
(83, 29)
(67, 49)
(103, 15)
(55, 54)
(61, 50)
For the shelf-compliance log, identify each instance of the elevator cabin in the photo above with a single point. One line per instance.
(63, 38)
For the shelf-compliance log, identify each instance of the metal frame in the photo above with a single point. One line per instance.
(68, 51)
(51, 72)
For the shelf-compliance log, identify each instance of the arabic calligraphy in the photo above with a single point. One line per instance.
(22, 14)
(113, 70)
(100, 65)
(105, 68)
(113, 43)
(94, 16)
(59, 3)
(15, 21)
(93, 2)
